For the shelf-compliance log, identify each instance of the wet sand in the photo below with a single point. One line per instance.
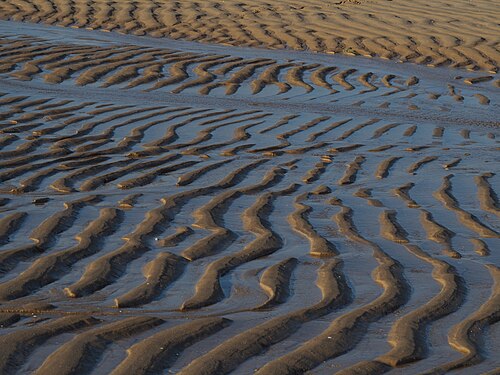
(172, 206)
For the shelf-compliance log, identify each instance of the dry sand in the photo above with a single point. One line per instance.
(171, 206)
(460, 33)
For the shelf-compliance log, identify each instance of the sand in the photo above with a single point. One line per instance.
(461, 33)
(221, 207)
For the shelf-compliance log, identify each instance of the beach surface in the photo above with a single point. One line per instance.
(252, 203)
(460, 33)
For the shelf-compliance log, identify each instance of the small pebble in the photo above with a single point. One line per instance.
(40, 201)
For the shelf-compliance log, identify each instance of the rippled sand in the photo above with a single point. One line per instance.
(170, 206)
(460, 33)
